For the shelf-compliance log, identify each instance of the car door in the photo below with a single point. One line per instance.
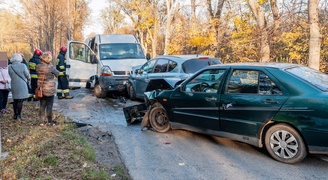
(142, 79)
(251, 97)
(196, 104)
(79, 66)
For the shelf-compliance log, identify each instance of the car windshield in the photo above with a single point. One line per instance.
(314, 77)
(121, 51)
(193, 65)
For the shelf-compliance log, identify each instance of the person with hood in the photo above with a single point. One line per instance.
(62, 87)
(47, 73)
(34, 61)
(19, 76)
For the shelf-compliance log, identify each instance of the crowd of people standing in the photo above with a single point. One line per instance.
(22, 79)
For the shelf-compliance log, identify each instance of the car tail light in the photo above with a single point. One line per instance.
(202, 58)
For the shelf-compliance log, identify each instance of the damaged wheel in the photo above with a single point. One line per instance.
(159, 120)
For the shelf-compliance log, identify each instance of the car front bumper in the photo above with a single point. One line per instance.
(112, 83)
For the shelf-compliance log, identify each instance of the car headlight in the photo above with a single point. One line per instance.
(106, 71)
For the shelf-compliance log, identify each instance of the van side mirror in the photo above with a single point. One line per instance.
(93, 59)
(148, 56)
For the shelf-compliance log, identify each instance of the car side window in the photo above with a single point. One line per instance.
(172, 65)
(206, 82)
(148, 67)
(161, 66)
(251, 82)
(267, 86)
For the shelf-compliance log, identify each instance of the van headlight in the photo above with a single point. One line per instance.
(106, 71)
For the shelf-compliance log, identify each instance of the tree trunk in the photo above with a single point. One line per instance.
(258, 12)
(314, 42)
(171, 6)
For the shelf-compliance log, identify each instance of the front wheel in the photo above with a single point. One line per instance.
(285, 144)
(99, 91)
(131, 92)
(159, 120)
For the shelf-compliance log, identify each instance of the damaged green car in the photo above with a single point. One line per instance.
(281, 107)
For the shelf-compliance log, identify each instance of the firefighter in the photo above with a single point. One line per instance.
(62, 89)
(34, 61)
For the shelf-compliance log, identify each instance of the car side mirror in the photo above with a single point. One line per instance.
(148, 56)
(93, 59)
(137, 71)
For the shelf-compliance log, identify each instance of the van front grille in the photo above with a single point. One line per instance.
(119, 72)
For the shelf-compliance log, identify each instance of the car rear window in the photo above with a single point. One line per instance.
(312, 76)
(193, 65)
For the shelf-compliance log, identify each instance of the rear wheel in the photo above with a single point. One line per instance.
(99, 91)
(159, 119)
(285, 144)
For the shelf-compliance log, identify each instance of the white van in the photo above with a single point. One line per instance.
(103, 62)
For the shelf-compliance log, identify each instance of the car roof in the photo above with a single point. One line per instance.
(186, 57)
(259, 64)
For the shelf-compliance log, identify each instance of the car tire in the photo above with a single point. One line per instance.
(131, 92)
(285, 144)
(99, 91)
(88, 85)
(159, 120)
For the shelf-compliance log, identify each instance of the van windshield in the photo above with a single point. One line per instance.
(121, 51)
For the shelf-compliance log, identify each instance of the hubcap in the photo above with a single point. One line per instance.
(283, 144)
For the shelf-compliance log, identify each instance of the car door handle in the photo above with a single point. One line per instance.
(269, 101)
(210, 99)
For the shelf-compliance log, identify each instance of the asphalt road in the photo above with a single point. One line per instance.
(180, 154)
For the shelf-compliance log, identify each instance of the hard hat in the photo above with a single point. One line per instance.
(63, 48)
(38, 52)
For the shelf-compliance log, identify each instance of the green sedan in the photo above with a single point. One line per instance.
(280, 106)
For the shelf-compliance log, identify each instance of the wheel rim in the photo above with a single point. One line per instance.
(284, 144)
(159, 120)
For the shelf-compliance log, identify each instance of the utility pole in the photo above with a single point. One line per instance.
(69, 19)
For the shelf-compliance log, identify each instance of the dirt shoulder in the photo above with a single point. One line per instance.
(106, 151)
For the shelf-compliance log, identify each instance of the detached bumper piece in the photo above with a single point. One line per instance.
(134, 113)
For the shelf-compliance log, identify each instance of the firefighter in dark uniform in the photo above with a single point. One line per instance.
(34, 61)
(62, 89)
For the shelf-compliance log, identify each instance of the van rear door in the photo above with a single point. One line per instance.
(79, 66)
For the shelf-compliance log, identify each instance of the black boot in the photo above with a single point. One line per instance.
(67, 96)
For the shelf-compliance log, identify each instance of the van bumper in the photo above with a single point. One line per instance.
(111, 83)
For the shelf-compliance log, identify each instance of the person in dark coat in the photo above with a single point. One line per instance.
(62, 87)
(47, 73)
(19, 76)
(4, 78)
(34, 61)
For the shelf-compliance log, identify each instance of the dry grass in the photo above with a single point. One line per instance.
(45, 152)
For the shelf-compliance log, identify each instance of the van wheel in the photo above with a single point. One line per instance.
(132, 94)
(99, 92)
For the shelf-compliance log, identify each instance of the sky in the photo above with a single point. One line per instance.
(94, 26)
